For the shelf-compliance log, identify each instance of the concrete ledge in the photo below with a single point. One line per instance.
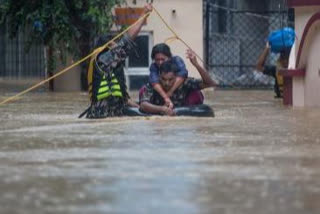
(292, 72)
(301, 3)
(287, 83)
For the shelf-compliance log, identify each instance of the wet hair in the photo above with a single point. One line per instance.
(161, 48)
(168, 66)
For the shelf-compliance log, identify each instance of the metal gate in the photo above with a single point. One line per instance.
(235, 35)
(16, 62)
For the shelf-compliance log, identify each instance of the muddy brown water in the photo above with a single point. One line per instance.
(255, 156)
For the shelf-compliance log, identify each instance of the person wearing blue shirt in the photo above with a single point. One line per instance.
(160, 54)
(151, 101)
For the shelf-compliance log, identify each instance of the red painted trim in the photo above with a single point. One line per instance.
(292, 72)
(287, 83)
(287, 91)
(312, 20)
(301, 3)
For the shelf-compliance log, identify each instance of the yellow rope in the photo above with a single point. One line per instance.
(170, 39)
(73, 65)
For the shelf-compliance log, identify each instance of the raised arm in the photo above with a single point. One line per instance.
(263, 57)
(207, 80)
(134, 31)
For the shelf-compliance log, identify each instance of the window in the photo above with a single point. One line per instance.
(140, 57)
(139, 60)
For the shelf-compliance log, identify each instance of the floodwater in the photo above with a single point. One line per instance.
(255, 156)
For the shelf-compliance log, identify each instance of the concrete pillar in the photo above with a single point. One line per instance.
(70, 80)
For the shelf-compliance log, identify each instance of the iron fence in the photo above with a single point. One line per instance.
(16, 61)
(234, 39)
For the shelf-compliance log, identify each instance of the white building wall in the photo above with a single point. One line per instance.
(306, 90)
(312, 79)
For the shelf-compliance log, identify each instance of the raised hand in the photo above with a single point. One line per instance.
(148, 8)
(191, 56)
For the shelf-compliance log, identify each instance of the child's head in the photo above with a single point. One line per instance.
(161, 53)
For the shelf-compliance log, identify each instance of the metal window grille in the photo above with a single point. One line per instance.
(235, 35)
(16, 62)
